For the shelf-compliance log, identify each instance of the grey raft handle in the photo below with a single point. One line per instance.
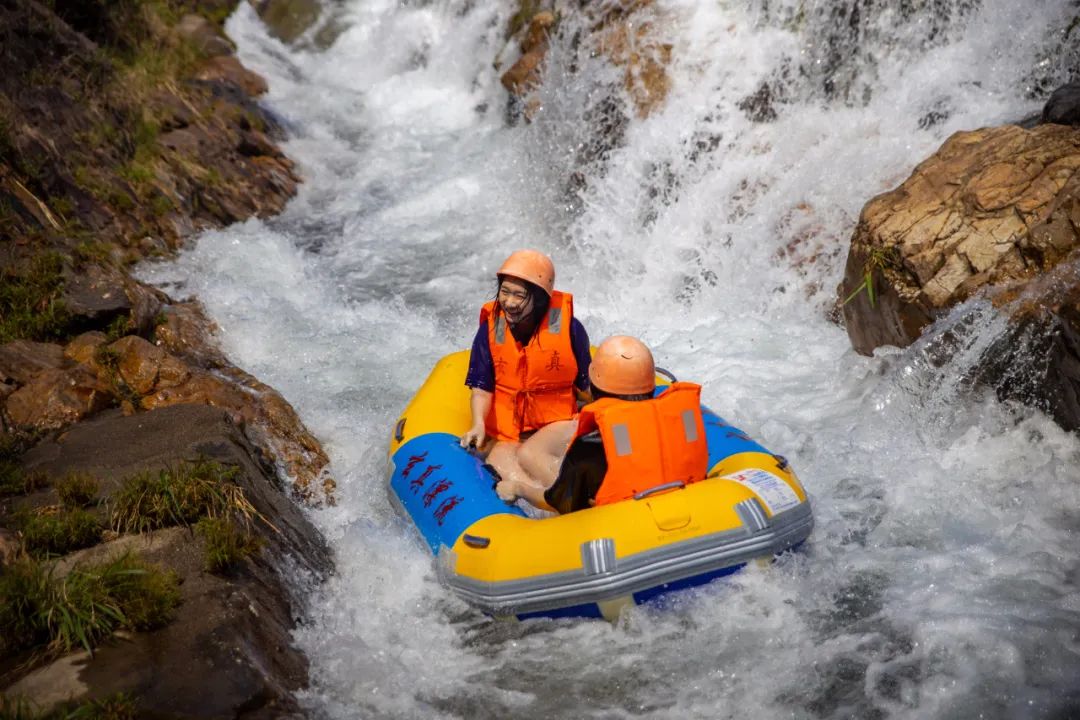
(659, 488)
(666, 373)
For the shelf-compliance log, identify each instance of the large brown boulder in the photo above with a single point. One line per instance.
(995, 210)
(991, 207)
(54, 399)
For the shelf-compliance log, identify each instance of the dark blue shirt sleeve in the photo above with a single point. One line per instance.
(579, 341)
(481, 368)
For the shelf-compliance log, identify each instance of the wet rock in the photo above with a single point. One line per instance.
(95, 295)
(174, 111)
(146, 304)
(228, 652)
(993, 211)
(22, 360)
(228, 69)
(54, 399)
(266, 417)
(759, 106)
(523, 77)
(204, 35)
(187, 333)
(991, 206)
(287, 20)
(1063, 107)
(84, 348)
(253, 143)
(138, 362)
(184, 140)
(631, 42)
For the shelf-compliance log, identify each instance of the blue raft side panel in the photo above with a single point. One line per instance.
(444, 488)
(726, 440)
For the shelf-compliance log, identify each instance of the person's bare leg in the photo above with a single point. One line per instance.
(503, 457)
(542, 454)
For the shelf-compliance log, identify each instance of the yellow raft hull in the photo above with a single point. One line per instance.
(590, 562)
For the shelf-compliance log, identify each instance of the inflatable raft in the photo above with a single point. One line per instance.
(591, 562)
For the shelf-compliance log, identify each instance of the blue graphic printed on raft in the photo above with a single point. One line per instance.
(723, 440)
(444, 488)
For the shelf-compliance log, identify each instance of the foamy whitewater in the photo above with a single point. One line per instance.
(941, 578)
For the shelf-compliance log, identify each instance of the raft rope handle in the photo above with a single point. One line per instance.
(660, 488)
(666, 373)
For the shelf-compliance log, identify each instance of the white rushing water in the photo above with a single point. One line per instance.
(941, 579)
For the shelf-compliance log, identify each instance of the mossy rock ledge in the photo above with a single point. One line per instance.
(126, 127)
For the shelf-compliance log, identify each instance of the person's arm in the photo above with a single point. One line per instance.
(481, 378)
(480, 405)
(579, 343)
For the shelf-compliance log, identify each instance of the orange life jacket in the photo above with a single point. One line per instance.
(649, 442)
(534, 383)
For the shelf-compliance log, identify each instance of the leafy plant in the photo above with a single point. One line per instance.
(867, 285)
(877, 259)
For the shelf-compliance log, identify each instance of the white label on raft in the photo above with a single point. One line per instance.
(773, 491)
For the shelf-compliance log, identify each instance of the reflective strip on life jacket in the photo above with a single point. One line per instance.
(534, 383)
(649, 442)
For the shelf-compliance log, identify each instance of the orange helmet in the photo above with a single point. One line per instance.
(531, 266)
(623, 365)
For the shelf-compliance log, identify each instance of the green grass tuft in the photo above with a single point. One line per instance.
(77, 490)
(13, 479)
(52, 534)
(90, 603)
(90, 251)
(227, 544)
(179, 496)
(30, 303)
(119, 706)
(16, 481)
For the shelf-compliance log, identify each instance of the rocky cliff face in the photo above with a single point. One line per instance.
(994, 212)
(124, 128)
